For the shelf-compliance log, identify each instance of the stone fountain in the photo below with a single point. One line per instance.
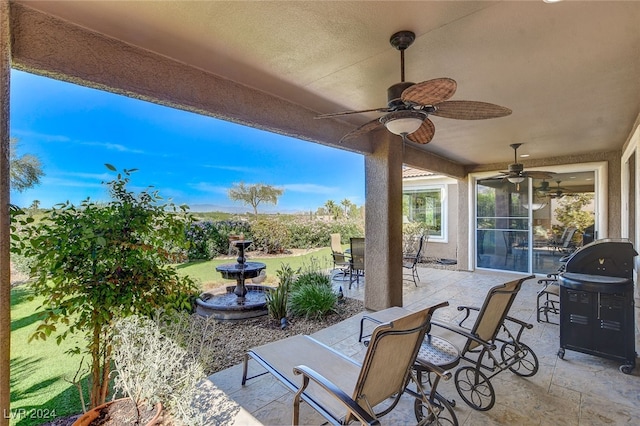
(240, 301)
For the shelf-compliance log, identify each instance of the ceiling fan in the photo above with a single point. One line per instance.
(410, 104)
(557, 192)
(516, 173)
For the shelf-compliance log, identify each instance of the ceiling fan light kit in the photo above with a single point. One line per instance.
(516, 173)
(403, 123)
(409, 104)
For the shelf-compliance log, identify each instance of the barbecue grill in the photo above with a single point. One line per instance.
(596, 302)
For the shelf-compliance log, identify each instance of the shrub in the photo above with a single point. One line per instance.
(200, 244)
(277, 298)
(314, 278)
(96, 263)
(312, 301)
(306, 233)
(270, 235)
(151, 366)
(208, 239)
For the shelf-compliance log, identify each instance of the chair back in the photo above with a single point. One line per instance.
(419, 252)
(390, 355)
(357, 254)
(568, 237)
(336, 243)
(493, 311)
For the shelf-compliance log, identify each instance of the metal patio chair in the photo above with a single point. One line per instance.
(356, 262)
(410, 261)
(492, 328)
(341, 389)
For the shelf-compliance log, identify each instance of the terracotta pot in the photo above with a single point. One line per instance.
(94, 413)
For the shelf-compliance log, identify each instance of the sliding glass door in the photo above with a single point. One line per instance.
(532, 225)
(502, 225)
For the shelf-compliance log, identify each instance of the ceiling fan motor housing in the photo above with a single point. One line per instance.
(516, 168)
(394, 94)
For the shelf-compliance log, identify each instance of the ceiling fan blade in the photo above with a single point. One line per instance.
(430, 92)
(539, 174)
(365, 128)
(424, 134)
(469, 110)
(338, 114)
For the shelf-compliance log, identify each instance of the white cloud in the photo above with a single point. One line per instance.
(56, 182)
(42, 136)
(100, 177)
(65, 139)
(112, 147)
(309, 188)
(207, 187)
(231, 168)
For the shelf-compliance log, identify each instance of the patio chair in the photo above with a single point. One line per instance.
(339, 388)
(436, 358)
(356, 262)
(492, 327)
(340, 259)
(410, 262)
(565, 244)
(548, 297)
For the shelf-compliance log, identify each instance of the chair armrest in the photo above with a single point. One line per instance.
(443, 374)
(468, 309)
(523, 325)
(464, 332)
(355, 409)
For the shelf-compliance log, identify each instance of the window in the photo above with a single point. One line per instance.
(425, 205)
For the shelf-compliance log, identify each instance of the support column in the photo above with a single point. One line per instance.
(383, 224)
(5, 271)
(465, 249)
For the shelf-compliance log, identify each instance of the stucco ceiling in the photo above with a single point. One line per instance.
(570, 71)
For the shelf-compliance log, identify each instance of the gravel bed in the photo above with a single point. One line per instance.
(233, 339)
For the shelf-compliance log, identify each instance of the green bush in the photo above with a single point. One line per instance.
(307, 233)
(98, 262)
(208, 239)
(315, 278)
(312, 301)
(277, 298)
(270, 235)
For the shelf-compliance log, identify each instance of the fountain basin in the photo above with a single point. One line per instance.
(225, 307)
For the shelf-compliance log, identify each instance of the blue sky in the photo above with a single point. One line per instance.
(191, 159)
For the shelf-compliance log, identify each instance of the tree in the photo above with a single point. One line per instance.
(253, 195)
(96, 263)
(346, 203)
(25, 171)
(570, 211)
(333, 209)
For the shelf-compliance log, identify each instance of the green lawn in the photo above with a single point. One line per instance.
(205, 271)
(39, 368)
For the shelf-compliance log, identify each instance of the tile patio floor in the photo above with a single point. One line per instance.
(579, 390)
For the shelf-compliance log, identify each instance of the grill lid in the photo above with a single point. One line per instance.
(611, 257)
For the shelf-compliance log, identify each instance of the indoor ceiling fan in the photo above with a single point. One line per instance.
(410, 104)
(516, 173)
(557, 192)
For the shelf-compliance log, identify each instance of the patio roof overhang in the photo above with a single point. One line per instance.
(568, 71)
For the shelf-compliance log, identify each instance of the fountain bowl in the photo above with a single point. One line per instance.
(225, 306)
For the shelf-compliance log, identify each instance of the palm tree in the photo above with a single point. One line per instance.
(346, 203)
(332, 209)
